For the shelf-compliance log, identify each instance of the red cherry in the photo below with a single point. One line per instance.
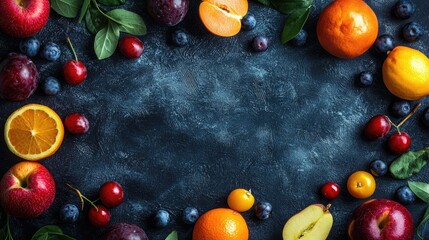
(377, 127)
(131, 46)
(74, 72)
(99, 218)
(399, 142)
(76, 123)
(111, 194)
(330, 190)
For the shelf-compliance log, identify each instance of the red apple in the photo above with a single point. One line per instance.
(23, 18)
(27, 190)
(381, 219)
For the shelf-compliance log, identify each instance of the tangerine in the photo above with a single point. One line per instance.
(347, 28)
(221, 224)
(240, 200)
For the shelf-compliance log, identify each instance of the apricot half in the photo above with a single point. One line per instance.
(223, 17)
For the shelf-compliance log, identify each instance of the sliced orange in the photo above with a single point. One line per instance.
(34, 132)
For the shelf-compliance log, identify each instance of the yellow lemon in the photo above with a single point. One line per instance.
(406, 73)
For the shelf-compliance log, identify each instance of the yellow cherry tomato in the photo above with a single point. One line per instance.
(240, 200)
(361, 184)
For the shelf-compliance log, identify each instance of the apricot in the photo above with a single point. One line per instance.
(223, 17)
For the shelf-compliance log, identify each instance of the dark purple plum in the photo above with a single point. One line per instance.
(18, 77)
(124, 231)
(168, 12)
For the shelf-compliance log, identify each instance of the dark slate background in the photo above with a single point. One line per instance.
(184, 126)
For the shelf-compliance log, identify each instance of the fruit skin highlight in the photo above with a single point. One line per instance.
(406, 73)
(347, 28)
(27, 190)
(312, 223)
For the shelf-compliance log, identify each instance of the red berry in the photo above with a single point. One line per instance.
(74, 72)
(99, 218)
(330, 190)
(111, 194)
(76, 123)
(399, 142)
(377, 127)
(131, 47)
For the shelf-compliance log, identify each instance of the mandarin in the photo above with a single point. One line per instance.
(221, 224)
(347, 28)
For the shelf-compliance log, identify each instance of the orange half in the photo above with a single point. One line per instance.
(34, 132)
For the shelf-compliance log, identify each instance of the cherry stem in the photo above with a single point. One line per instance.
(8, 233)
(81, 197)
(408, 116)
(72, 48)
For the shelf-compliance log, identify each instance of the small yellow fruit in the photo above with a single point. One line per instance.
(406, 73)
(240, 200)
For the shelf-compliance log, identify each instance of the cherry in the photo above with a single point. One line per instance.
(377, 127)
(76, 123)
(330, 190)
(399, 142)
(74, 70)
(99, 216)
(131, 47)
(111, 194)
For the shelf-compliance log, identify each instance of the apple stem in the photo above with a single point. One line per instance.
(72, 48)
(81, 197)
(328, 207)
(408, 116)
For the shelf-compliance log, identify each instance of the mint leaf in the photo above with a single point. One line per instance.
(420, 189)
(43, 232)
(67, 8)
(112, 2)
(84, 9)
(106, 41)
(290, 6)
(265, 2)
(94, 20)
(409, 163)
(422, 223)
(294, 23)
(172, 236)
(130, 22)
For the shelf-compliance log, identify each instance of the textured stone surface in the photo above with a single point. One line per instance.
(183, 126)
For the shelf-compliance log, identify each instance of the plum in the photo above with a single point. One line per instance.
(18, 77)
(124, 231)
(168, 12)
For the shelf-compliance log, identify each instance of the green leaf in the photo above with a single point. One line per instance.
(422, 223)
(265, 2)
(290, 6)
(43, 232)
(67, 8)
(409, 163)
(44, 236)
(106, 41)
(420, 189)
(94, 20)
(130, 22)
(84, 9)
(172, 236)
(57, 236)
(112, 2)
(294, 23)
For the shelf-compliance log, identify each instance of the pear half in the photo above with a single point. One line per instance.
(312, 223)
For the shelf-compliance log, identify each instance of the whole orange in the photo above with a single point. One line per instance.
(347, 28)
(221, 224)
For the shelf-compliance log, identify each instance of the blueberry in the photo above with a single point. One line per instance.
(378, 168)
(263, 210)
(190, 215)
(180, 38)
(69, 213)
(161, 218)
(50, 51)
(384, 43)
(300, 39)
(412, 31)
(404, 9)
(404, 195)
(260, 43)
(365, 79)
(29, 46)
(425, 116)
(400, 108)
(51, 86)
(248, 22)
